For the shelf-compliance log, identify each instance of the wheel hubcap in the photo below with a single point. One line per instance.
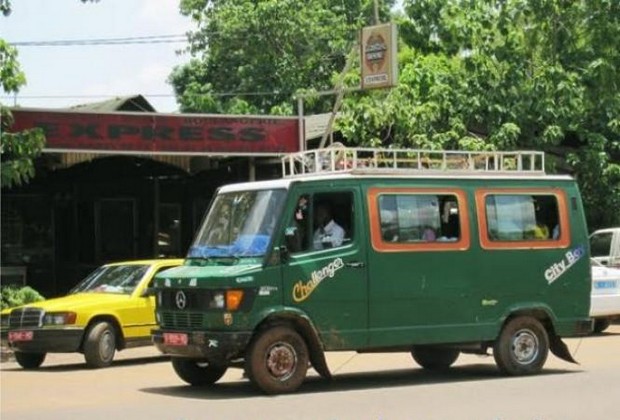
(281, 361)
(106, 345)
(525, 346)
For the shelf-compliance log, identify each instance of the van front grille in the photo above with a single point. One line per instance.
(189, 320)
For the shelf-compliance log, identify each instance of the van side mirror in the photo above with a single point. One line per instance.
(284, 253)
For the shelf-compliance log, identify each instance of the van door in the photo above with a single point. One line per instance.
(326, 272)
(420, 275)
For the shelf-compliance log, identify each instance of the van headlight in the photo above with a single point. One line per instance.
(59, 318)
(218, 300)
(226, 299)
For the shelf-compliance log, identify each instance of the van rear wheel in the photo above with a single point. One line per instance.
(434, 358)
(277, 360)
(522, 347)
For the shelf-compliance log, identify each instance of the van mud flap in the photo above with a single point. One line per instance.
(559, 348)
(317, 359)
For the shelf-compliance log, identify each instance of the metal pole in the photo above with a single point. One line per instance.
(341, 91)
(376, 12)
(156, 217)
(252, 169)
(301, 128)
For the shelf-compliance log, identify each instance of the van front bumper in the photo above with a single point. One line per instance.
(213, 346)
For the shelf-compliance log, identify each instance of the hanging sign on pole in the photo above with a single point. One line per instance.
(379, 56)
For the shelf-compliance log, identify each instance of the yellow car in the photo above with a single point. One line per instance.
(113, 308)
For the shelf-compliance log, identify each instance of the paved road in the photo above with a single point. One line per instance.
(142, 385)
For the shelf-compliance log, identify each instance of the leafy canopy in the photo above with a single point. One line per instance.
(253, 56)
(512, 74)
(17, 150)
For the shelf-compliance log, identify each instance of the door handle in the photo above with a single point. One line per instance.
(355, 264)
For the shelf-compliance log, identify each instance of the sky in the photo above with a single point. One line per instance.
(61, 76)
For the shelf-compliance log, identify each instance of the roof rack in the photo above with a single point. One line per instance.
(340, 159)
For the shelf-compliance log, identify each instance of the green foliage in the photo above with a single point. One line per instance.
(11, 75)
(5, 7)
(268, 48)
(13, 296)
(17, 150)
(507, 75)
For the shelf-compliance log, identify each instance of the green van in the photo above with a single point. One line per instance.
(380, 250)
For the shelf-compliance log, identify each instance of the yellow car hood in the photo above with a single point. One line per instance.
(80, 301)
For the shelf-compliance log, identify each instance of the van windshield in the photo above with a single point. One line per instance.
(239, 224)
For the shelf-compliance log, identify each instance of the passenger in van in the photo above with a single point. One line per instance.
(541, 231)
(328, 233)
(429, 234)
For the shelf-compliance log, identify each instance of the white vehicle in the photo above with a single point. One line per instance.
(605, 246)
(605, 303)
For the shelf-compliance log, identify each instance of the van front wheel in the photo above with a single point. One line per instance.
(522, 347)
(434, 358)
(277, 360)
(196, 373)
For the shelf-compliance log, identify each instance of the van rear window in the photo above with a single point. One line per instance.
(515, 219)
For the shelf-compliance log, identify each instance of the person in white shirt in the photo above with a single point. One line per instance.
(329, 234)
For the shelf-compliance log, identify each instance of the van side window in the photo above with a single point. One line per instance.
(523, 218)
(321, 221)
(418, 219)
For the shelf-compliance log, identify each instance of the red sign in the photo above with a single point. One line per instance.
(161, 133)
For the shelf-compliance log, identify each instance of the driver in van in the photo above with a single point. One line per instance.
(328, 233)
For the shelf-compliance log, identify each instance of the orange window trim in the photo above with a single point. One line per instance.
(486, 243)
(375, 222)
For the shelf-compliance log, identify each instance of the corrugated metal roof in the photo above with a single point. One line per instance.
(120, 103)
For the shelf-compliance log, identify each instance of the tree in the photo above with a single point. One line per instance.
(507, 75)
(17, 150)
(253, 56)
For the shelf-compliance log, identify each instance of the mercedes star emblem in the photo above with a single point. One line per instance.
(180, 299)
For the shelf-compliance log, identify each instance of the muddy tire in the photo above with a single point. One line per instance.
(434, 358)
(601, 325)
(100, 345)
(277, 360)
(197, 373)
(522, 347)
(29, 361)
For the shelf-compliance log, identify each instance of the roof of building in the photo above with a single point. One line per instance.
(119, 103)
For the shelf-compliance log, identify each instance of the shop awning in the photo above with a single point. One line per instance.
(150, 133)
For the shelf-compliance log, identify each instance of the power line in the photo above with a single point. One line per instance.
(152, 39)
(150, 95)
